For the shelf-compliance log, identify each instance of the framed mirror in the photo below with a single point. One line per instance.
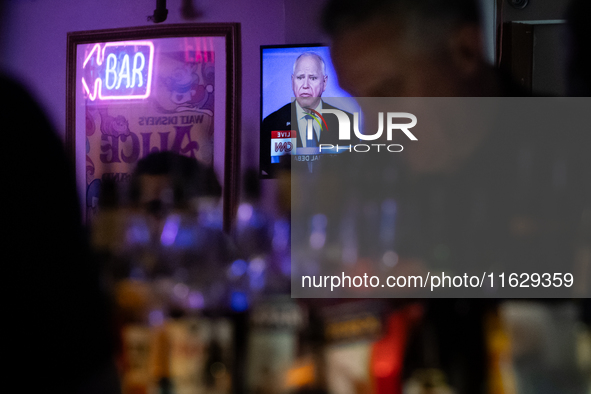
(134, 91)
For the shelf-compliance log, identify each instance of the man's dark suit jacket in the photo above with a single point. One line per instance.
(285, 119)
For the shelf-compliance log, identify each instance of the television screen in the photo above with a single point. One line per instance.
(287, 72)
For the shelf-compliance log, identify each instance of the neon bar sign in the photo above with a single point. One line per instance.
(118, 71)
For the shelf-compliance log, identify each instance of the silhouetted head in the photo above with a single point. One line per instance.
(166, 180)
(406, 48)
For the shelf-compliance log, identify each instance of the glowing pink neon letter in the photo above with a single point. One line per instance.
(117, 68)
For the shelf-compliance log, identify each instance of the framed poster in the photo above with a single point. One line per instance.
(134, 91)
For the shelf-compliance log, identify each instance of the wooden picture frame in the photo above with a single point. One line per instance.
(135, 90)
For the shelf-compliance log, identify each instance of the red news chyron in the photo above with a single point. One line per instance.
(284, 134)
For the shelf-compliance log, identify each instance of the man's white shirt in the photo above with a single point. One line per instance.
(303, 123)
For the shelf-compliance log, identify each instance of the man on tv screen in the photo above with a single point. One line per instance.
(295, 128)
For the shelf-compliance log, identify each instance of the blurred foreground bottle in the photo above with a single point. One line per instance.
(260, 278)
(166, 257)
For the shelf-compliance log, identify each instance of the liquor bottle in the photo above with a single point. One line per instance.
(274, 327)
(448, 348)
